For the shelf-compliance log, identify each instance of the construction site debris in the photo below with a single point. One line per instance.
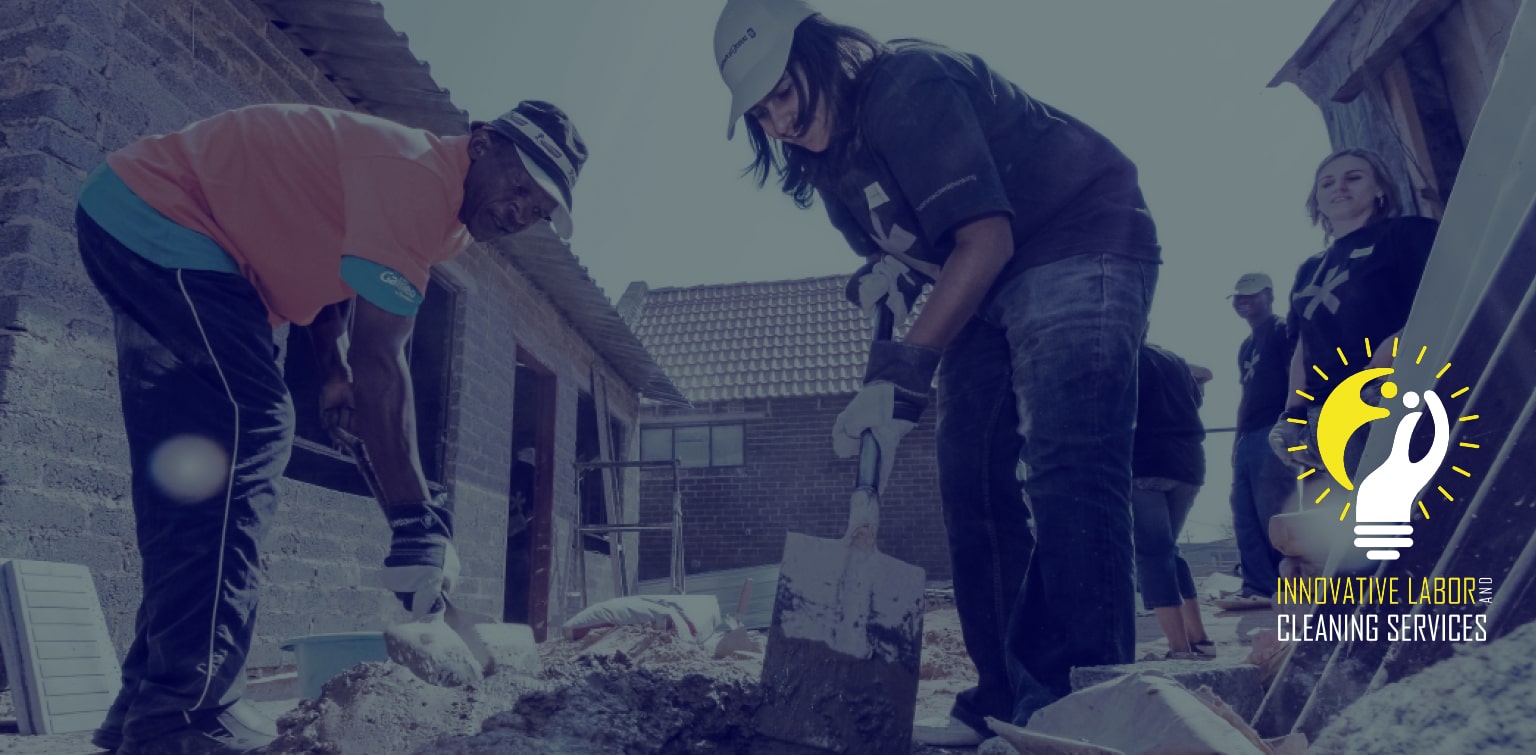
(695, 617)
(1239, 685)
(1482, 700)
(1145, 711)
(433, 651)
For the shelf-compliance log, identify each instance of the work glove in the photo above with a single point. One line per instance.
(1288, 434)
(895, 392)
(889, 279)
(422, 564)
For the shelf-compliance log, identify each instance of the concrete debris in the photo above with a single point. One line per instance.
(1483, 700)
(433, 651)
(1239, 685)
(1145, 711)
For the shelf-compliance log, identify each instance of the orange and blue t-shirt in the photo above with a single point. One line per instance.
(312, 205)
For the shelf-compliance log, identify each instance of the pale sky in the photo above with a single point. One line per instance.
(1178, 85)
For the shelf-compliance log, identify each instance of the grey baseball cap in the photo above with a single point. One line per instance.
(752, 41)
(1250, 283)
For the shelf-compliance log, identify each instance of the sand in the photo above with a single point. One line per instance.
(1483, 701)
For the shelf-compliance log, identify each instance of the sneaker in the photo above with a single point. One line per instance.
(239, 729)
(946, 732)
(1194, 655)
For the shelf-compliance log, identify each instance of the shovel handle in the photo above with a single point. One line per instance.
(869, 450)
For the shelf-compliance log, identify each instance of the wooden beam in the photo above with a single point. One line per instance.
(1385, 30)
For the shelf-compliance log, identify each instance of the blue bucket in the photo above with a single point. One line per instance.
(322, 656)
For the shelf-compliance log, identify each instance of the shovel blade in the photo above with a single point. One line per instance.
(841, 668)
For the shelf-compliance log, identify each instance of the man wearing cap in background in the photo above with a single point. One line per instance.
(202, 242)
(1261, 485)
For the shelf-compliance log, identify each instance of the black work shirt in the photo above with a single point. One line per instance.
(1359, 288)
(1169, 434)
(942, 140)
(1264, 370)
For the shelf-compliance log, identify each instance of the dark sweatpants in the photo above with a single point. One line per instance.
(200, 386)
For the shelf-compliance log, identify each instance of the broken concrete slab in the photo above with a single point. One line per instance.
(511, 648)
(433, 651)
(1239, 685)
(1145, 711)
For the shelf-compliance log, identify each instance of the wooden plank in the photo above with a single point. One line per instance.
(612, 504)
(1385, 29)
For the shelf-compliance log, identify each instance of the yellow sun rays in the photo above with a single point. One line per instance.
(1388, 393)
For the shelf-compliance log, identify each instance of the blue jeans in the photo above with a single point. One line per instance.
(1036, 403)
(1160, 510)
(196, 365)
(1260, 487)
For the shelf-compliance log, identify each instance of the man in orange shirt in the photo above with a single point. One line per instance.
(204, 240)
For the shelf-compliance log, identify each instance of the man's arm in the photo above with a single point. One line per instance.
(982, 248)
(386, 408)
(329, 339)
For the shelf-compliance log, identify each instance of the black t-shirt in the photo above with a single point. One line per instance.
(1169, 434)
(941, 140)
(1360, 287)
(1264, 370)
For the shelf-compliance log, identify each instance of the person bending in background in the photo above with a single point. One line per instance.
(1168, 464)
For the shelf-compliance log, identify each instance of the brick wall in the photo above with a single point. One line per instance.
(79, 78)
(737, 516)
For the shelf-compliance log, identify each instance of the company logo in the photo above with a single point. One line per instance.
(402, 287)
(1385, 499)
(730, 52)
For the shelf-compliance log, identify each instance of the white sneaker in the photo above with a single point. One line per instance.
(945, 732)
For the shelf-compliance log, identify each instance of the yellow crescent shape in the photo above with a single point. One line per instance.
(1342, 414)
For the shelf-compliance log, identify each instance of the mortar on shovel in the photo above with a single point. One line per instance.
(452, 646)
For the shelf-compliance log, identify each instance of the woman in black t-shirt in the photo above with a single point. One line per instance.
(1032, 230)
(1352, 297)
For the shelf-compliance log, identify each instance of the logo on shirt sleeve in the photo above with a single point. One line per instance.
(402, 288)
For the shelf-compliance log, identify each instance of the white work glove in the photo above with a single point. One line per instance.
(422, 564)
(1286, 435)
(889, 405)
(886, 279)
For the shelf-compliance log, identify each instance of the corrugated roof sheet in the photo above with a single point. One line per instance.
(549, 264)
(757, 340)
(372, 64)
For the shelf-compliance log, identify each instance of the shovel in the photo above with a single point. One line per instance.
(841, 667)
(452, 646)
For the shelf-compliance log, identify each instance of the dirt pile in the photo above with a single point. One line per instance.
(621, 708)
(1483, 700)
(381, 707)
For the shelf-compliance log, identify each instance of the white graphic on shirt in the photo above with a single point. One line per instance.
(1249, 366)
(1323, 295)
(898, 239)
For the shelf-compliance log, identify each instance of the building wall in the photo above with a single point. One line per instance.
(737, 516)
(79, 78)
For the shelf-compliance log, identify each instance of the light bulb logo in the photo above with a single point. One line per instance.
(1386, 496)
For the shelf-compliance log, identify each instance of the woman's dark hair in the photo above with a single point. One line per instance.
(831, 57)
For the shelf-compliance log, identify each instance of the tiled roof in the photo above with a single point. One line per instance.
(372, 64)
(755, 340)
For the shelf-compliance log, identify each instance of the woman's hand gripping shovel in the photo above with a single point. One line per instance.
(841, 668)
